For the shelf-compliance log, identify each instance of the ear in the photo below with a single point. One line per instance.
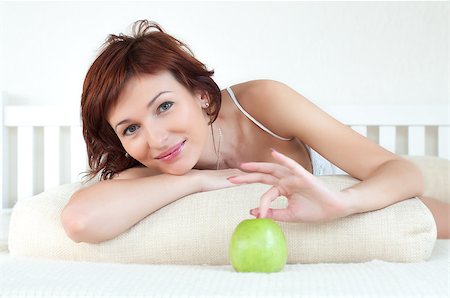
(204, 102)
(203, 98)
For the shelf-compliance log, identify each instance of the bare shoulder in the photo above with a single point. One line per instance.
(137, 172)
(270, 100)
(260, 95)
(258, 89)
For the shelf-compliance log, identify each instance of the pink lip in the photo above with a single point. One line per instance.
(172, 152)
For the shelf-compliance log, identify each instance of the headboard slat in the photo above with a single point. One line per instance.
(431, 140)
(387, 136)
(416, 140)
(64, 162)
(444, 140)
(51, 156)
(78, 155)
(10, 169)
(373, 133)
(38, 160)
(401, 140)
(25, 163)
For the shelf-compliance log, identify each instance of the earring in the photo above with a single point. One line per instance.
(127, 155)
(206, 104)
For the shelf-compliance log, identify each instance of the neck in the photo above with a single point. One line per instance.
(212, 156)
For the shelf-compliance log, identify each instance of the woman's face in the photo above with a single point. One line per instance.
(160, 123)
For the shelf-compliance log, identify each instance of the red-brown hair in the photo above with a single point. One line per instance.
(148, 50)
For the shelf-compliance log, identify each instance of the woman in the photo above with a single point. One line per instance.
(158, 128)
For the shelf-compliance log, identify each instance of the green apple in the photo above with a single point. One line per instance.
(258, 245)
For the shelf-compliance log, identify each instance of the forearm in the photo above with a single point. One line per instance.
(392, 182)
(108, 208)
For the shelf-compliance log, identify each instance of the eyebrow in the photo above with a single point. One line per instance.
(148, 105)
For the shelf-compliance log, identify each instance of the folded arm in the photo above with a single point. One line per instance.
(108, 208)
(385, 177)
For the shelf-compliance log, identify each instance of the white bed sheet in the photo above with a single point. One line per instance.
(29, 277)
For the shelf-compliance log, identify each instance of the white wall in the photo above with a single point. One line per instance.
(333, 53)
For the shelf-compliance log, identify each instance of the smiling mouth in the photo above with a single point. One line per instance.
(172, 152)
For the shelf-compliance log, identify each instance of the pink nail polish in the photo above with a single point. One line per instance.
(273, 150)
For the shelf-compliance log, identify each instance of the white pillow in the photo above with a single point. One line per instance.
(196, 229)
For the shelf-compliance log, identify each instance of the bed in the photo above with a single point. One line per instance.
(49, 139)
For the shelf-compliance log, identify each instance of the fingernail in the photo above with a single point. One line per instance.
(231, 177)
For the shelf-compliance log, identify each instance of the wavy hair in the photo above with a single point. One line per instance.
(148, 50)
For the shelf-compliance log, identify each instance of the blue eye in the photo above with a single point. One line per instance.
(130, 130)
(165, 106)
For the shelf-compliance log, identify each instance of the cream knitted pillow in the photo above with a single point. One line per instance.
(196, 230)
(436, 172)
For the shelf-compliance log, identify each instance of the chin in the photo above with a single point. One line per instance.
(178, 169)
(176, 172)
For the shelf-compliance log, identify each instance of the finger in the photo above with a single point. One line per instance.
(281, 215)
(287, 162)
(254, 212)
(266, 199)
(271, 168)
(253, 178)
(275, 214)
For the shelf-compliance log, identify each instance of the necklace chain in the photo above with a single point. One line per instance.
(218, 148)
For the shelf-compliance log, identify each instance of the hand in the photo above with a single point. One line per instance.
(309, 200)
(213, 179)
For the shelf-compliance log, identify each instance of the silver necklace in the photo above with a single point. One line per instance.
(217, 149)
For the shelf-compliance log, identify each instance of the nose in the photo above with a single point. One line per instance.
(156, 136)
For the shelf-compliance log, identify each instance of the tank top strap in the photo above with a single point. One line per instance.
(233, 97)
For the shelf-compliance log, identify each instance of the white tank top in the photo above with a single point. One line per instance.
(320, 165)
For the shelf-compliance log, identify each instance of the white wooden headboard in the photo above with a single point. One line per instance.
(42, 146)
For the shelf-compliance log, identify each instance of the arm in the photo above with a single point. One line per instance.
(106, 209)
(380, 171)
(393, 181)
